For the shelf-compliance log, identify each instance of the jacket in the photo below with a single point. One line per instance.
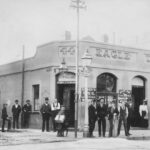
(26, 108)
(45, 109)
(16, 111)
(4, 113)
(111, 111)
(92, 113)
(101, 111)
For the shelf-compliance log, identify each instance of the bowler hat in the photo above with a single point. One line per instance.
(46, 98)
(16, 100)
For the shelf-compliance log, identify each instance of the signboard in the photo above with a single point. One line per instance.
(91, 93)
(66, 78)
(124, 95)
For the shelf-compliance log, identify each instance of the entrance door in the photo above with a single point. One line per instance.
(138, 94)
(66, 97)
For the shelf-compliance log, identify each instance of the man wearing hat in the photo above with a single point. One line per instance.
(55, 107)
(92, 117)
(16, 109)
(129, 105)
(46, 112)
(123, 114)
(112, 115)
(26, 113)
(101, 114)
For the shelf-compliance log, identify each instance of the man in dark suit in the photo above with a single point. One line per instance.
(46, 112)
(4, 116)
(16, 109)
(92, 117)
(123, 114)
(101, 114)
(26, 113)
(112, 114)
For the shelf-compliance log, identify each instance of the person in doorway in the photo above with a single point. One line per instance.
(123, 114)
(92, 117)
(55, 106)
(46, 112)
(101, 114)
(143, 110)
(26, 113)
(112, 116)
(16, 109)
(129, 105)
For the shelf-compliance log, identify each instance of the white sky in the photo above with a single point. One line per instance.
(35, 22)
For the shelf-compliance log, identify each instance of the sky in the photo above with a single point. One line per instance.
(35, 22)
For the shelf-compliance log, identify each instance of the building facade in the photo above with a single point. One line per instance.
(116, 72)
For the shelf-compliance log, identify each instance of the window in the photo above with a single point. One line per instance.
(36, 97)
(106, 83)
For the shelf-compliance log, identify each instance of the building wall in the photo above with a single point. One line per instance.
(42, 69)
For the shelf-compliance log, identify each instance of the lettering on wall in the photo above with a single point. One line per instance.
(114, 54)
(66, 51)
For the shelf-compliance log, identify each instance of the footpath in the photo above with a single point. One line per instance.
(35, 136)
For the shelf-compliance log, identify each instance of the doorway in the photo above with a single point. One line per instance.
(138, 94)
(66, 97)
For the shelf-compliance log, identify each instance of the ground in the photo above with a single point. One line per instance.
(35, 139)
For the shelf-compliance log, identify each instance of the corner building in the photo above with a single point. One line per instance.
(116, 72)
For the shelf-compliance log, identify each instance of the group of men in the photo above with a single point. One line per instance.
(98, 111)
(16, 110)
(47, 110)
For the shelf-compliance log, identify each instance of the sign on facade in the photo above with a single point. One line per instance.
(124, 95)
(91, 93)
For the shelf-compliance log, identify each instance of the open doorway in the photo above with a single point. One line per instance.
(66, 97)
(138, 95)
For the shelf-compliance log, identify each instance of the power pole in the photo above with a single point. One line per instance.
(77, 4)
(22, 89)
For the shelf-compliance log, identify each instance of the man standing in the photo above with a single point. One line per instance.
(123, 114)
(92, 117)
(55, 106)
(4, 116)
(130, 114)
(101, 114)
(16, 109)
(112, 115)
(26, 113)
(45, 111)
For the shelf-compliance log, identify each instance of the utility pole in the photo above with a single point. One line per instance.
(22, 89)
(77, 4)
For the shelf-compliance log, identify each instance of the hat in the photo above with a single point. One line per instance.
(46, 99)
(16, 100)
(94, 100)
(101, 99)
